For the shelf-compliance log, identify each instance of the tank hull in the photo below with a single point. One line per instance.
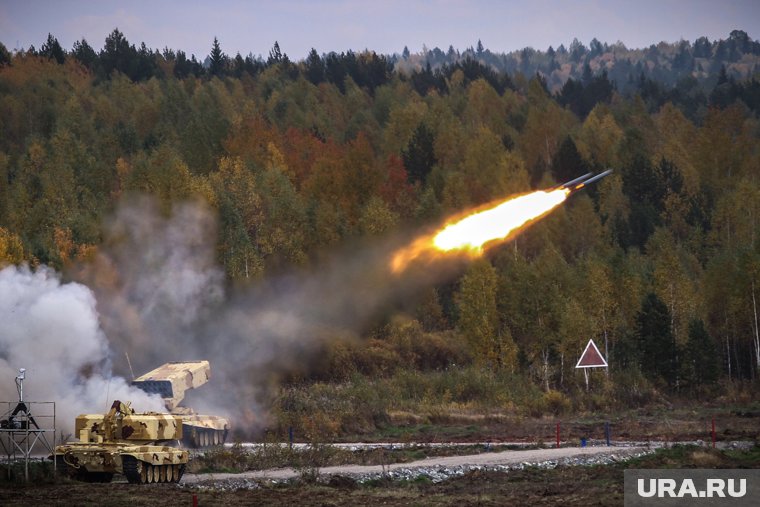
(201, 431)
(124, 442)
(141, 464)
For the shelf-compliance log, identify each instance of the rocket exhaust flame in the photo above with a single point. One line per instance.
(473, 232)
(469, 235)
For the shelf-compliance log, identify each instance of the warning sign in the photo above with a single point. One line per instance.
(591, 357)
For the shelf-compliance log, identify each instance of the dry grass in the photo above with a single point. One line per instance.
(706, 459)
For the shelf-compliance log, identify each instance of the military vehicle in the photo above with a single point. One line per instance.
(124, 442)
(170, 381)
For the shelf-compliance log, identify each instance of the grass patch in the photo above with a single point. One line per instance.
(472, 403)
(238, 459)
(692, 456)
(40, 472)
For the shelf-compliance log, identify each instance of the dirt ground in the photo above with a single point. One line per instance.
(474, 489)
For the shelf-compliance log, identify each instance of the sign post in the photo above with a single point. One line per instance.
(591, 358)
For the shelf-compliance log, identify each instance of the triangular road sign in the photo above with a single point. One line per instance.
(591, 357)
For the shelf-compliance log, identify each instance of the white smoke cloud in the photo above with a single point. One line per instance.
(52, 329)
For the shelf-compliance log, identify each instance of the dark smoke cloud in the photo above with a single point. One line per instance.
(155, 281)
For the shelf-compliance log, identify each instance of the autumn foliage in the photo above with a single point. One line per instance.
(296, 158)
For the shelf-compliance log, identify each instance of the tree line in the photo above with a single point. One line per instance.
(659, 263)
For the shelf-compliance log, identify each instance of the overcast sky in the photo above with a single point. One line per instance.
(385, 26)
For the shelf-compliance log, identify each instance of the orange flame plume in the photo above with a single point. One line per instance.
(471, 234)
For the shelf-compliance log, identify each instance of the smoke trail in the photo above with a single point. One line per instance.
(280, 325)
(160, 296)
(52, 329)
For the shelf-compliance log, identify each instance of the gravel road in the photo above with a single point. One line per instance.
(436, 468)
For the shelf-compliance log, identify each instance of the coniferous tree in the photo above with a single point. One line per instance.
(275, 55)
(315, 69)
(656, 341)
(335, 70)
(646, 190)
(145, 64)
(238, 66)
(702, 48)
(5, 56)
(253, 65)
(595, 48)
(52, 49)
(84, 54)
(568, 163)
(217, 60)
(419, 156)
(182, 66)
(701, 357)
(117, 55)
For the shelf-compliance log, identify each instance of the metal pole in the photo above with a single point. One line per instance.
(713, 432)
(607, 432)
(558, 435)
(8, 450)
(26, 454)
(55, 461)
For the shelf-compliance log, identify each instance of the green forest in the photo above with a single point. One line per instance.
(659, 263)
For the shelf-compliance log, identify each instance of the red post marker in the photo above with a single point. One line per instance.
(557, 435)
(713, 432)
(195, 500)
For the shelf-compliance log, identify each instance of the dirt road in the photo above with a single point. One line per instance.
(484, 459)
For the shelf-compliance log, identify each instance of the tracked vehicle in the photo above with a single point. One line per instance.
(124, 442)
(171, 381)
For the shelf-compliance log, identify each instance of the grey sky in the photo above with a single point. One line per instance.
(385, 26)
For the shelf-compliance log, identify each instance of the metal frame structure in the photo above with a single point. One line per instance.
(25, 427)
